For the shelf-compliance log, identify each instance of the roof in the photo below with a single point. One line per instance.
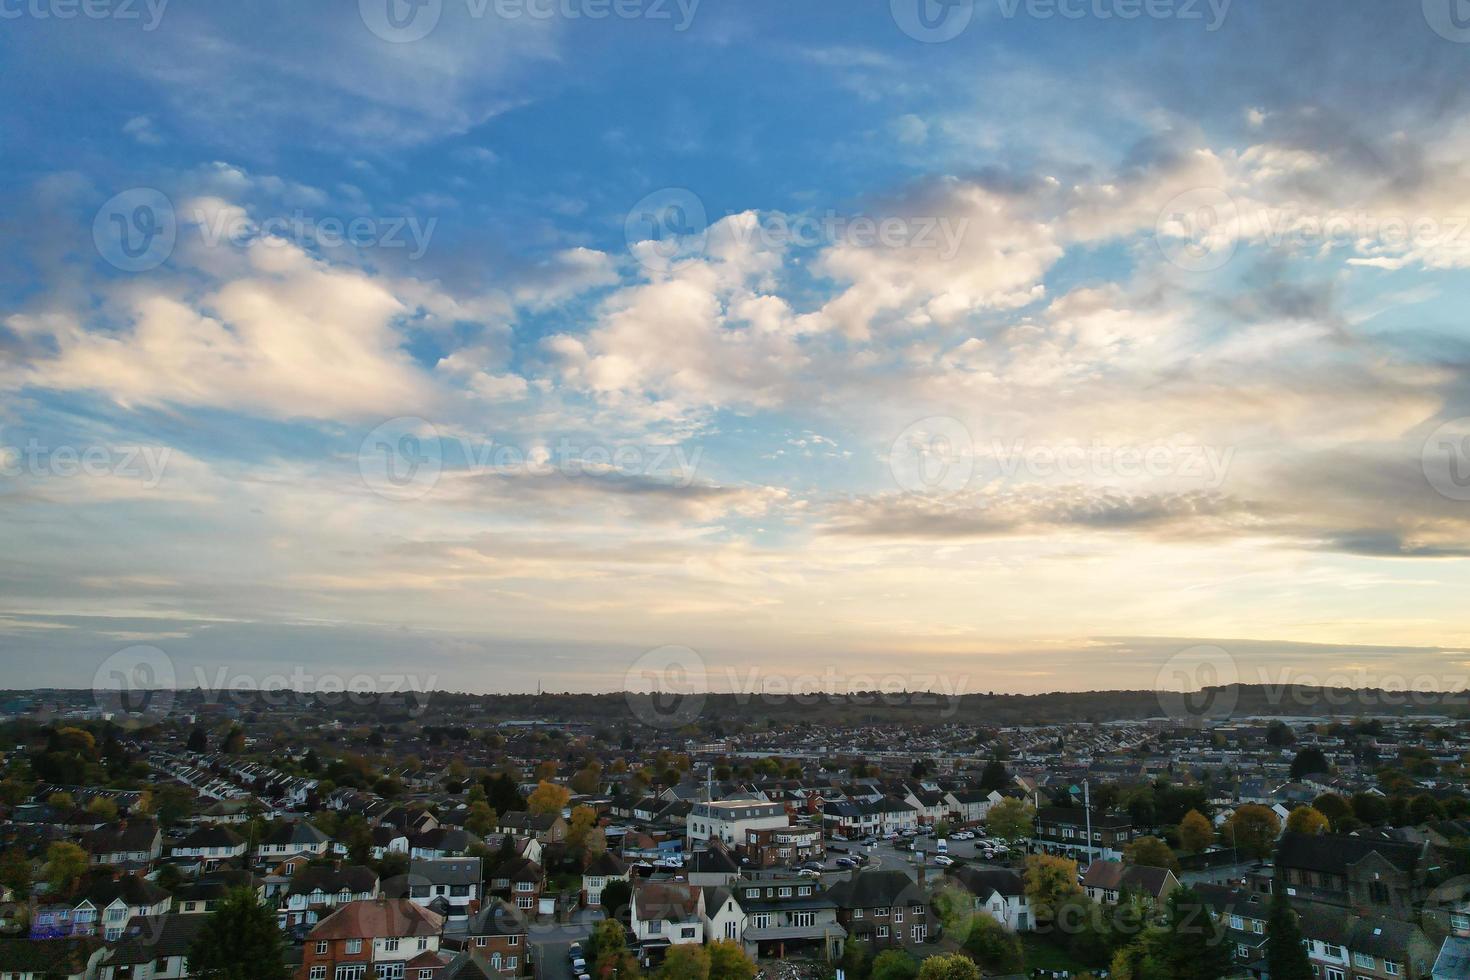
(352, 878)
(137, 835)
(46, 956)
(148, 938)
(446, 871)
(1116, 876)
(666, 900)
(378, 919)
(211, 836)
(876, 889)
(497, 919)
(1334, 853)
(1378, 936)
(300, 832)
(1454, 958)
(716, 860)
(607, 865)
(984, 881)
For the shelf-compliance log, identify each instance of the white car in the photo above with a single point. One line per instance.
(1001, 849)
(944, 860)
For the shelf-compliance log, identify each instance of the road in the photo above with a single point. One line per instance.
(549, 942)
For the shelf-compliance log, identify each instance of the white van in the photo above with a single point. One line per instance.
(941, 846)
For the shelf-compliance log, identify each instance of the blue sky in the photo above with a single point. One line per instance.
(1028, 345)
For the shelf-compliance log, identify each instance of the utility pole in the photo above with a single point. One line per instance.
(1087, 809)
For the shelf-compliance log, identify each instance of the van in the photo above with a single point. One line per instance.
(941, 846)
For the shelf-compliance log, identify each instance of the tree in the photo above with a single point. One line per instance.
(1286, 955)
(481, 819)
(61, 801)
(1424, 808)
(616, 899)
(587, 780)
(857, 960)
(234, 741)
(65, 865)
(1333, 807)
(1195, 832)
(727, 961)
(171, 804)
(894, 964)
(198, 741)
(996, 949)
(240, 941)
(1050, 881)
(995, 776)
(1308, 761)
(1253, 829)
(1151, 853)
(1011, 819)
(1307, 820)
(584, 818)
(685, 962)
(1370, 808)
(103, 807)
(16, 873)
(1191, 944)
(548, 797)
(949, 966)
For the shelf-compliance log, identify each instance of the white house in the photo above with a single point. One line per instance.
(668, 913)
(728, 820)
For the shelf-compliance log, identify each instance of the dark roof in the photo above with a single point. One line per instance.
(497, 919)
(47, 956)
(332, 880)
(300, 832)
(983, 881)
(1378, 936)
(876, 889)
(148, 938)
(132, 890)
(446, 871)
(607, 865)
(716, 860)
(211, 836)
(1334, 853)
(137, 835)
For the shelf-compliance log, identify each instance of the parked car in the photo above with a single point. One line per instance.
(838, 848)
(846, 863)
(813, 865)
(574, 951)
(808, 873)
(944, 860)
(579, 965)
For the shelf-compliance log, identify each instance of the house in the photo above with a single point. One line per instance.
(212, 845)
(299, 839)
(1064, 831)
(715, 866)
(381, 937)
(131, 845)
(1381, 875)
(1381, 948)
(786, 916)
(495, 937)
(1106, 881)
(783, 846)
(970, 806)
(548, 828)
(315, 892)
(99, 907)
(205, 894)
(72, 958)
(601, 871)
(449, 886)
(729, 821)
(883, 908)
(442, 842)
(930, 805)
(521, 880)
(155, 947)
(998, 892)
(723, 916)
(664, 914)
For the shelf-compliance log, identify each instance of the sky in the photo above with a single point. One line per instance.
(488, 345)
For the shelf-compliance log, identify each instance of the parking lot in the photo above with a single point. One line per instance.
(889, 855)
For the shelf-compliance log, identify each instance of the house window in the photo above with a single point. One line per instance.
(785, 892)
(511, 961)
(356, 971)
(1333, 951)
(1391, 968)
(426, 975)
(1363, 960)
(804, 919)
(882, 932)
(321, 949)
(917, 910)
(857, 913)
(1237, 923)
(512, 940)
(481, 940)
(391, 945)
(354, 946)
(318, 973)
(898, 915)
(687, 932)
(423, 943)
(656, 927)
(1258, 927)
(390, 971)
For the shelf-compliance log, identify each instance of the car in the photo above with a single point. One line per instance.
(583, 976)
(838, 848)
(846, 863)
(944, 860)
(579, 965)
(813, 865)
(574, 951)
(1001, 849)
(808, 873)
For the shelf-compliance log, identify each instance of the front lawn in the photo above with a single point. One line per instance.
(1041, 954)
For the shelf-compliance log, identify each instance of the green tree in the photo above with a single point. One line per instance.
(685, 962)
(996, 949)
(894, 964)
(1370, 808)
(1333, 807)
(857, 960)
(1195, 832)
(481, 819)
(1253, 829)
(16, 872)
(607, 951)
(616, 899)
(1151, 852)
(1011, 819)
(103, 807)
(1192, 945)
(240, 941)
(1308, 761)
(995, 776)
(727, 961)
(949, 966)
(65, 865)
(1307, 820)
(1286, 954)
